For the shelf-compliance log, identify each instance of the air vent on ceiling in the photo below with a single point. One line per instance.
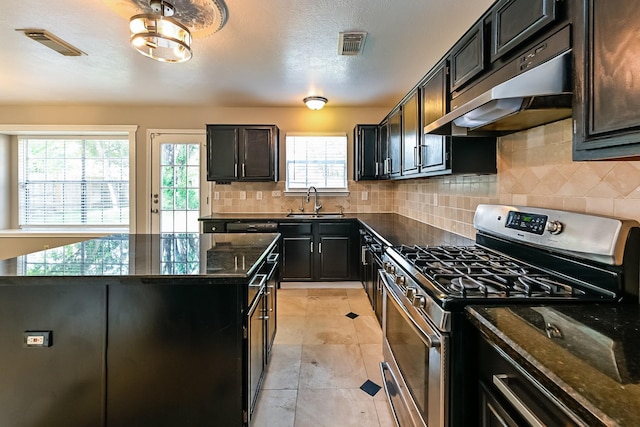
(351, 43)
(52, 42)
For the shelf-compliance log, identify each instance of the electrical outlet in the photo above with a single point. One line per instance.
(365, 195)
(216, 195)
(243, 195)
(276, 194)
(258, 195)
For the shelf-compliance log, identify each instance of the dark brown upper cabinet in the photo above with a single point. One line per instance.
(515, 21)
(367, 152)
(394, 129)
(434, 100)
(411, 132)
(606, 102)
(467, 56)
(242, 153)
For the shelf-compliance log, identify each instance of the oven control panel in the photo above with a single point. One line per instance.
(531, 223)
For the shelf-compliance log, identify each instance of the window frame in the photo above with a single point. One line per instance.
(71, 131)
(330, 190)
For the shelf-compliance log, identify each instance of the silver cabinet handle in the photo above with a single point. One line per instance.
(363, 256)
(500, 381)
(244, 173)
(415, 156)
(320, 247)
(311, 247)
(235, 170)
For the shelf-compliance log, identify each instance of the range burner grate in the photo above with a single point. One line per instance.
(472, 271)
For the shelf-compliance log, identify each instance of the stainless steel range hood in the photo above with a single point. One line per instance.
(535, 97)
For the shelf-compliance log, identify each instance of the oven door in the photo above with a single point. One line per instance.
(414, 364)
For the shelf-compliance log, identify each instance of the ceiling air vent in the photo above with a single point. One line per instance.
(351, 43)
(52, 42)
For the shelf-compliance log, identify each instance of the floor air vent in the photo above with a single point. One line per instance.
(351, 43)
(52, 42)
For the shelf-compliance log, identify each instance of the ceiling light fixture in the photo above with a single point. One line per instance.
(159, 36)
(315, 102)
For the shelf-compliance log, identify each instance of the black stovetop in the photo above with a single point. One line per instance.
(470, 272)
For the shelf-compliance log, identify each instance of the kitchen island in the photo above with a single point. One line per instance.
(130, 330)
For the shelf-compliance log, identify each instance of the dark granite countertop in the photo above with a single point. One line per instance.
(147, 255)
(588, 357)
(392, 228)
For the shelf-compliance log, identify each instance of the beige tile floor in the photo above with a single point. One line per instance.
(319, 361)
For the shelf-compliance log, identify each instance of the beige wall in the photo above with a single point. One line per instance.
(168, 117)
(534, 167)
(5, 175)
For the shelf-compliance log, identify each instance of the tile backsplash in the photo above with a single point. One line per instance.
(534, 169)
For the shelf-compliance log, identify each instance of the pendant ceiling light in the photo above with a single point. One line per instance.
(159, 36)
(315, 102)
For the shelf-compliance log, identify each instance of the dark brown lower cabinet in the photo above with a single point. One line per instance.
(318, 250)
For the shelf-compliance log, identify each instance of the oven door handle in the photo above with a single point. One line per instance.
(501, 382)
(431, 340)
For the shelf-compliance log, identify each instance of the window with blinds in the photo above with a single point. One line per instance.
(73, 181)
(316, 160)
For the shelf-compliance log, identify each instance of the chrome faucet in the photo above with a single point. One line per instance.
(316, 205)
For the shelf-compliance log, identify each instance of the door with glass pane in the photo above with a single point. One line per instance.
(179, 190)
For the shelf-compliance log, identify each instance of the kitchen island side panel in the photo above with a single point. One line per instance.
(60, 383)
(174, 355)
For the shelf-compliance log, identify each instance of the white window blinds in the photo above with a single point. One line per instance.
(73, 181)
(316, 160)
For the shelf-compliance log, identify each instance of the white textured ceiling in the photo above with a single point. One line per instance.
(269, 53)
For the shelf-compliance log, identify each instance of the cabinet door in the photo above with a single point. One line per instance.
(175, 355)
(333, 253)
(366, 142)
(256, 348)
(410, 135)
(297, 258)
(467, 57)
(257, 153)
(383, 143)
(222, 153)
(395, 143)
(434, 106)
(606, 105)
(514, 21)
(59, 385)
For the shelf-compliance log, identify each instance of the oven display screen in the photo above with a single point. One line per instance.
(531, 223)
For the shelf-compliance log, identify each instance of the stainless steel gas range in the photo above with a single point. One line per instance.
(522, 255)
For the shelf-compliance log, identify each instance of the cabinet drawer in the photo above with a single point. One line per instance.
(514, 21)
(213, 227)
(467, 57)
(334, 228)
(295, 228)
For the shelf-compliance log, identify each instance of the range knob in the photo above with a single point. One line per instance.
(389, 268)
(419, 301)
(554, 227)
(400, 280)
(411, 292)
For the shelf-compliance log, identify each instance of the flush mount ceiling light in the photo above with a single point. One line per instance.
(159, 36)
(315, 102)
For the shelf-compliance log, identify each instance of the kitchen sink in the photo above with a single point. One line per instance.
(311, 215)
